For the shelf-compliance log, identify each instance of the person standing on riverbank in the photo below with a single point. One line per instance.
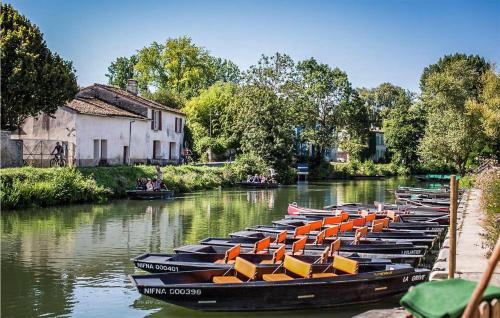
(159, 174)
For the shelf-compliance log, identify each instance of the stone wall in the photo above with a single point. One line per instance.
(11, 151)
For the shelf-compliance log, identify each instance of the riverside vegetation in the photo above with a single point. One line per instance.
(29, 186)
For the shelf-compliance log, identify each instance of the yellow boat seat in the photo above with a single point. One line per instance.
(269, 262)
(276, 277)
(242, 267)
(323, 275)
(226, 280)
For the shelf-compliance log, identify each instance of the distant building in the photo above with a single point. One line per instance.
(107, 125)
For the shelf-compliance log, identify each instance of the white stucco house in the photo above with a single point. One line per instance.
(107, 125)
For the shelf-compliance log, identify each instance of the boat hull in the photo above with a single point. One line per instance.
(260, 295)
(150, 195)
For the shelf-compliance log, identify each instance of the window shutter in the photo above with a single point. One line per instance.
(180, 125)
(159, 117)
(152, 119)
(175, 124)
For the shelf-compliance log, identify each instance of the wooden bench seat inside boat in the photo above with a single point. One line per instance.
(230, 255)
(304, 270)
(262, 246)
(241, 267)
(278, 256)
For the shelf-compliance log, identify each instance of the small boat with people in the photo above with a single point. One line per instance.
(150, 189)
(293, 284)
(260, 181)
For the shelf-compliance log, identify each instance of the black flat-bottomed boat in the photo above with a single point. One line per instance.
(150, 195)
(295, 285)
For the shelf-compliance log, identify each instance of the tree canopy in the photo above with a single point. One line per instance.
(452, 134)
(33, 79)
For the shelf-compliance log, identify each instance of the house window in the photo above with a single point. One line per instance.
(156, 149)
(156, 119)
(178, 125)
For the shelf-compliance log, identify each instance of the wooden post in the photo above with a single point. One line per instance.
(453, 227)
(477, 294)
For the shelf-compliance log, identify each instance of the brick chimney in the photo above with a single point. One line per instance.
(132, 86)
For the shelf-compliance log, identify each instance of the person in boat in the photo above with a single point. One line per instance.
(149, 185)
(249, 178)
(157, 184)
(256, 178)
(138, 184)
(263, 179)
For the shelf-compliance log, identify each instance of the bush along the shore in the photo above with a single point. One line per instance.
(339, 170)
(489, 183)
(28, 186)
(24, 187)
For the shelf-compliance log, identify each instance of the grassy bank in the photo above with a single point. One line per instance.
(339, 170)
(28, 186)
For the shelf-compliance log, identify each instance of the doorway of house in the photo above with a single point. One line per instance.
(171, 153)
(125, 155)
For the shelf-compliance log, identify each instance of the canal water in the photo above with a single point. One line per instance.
(73, 261)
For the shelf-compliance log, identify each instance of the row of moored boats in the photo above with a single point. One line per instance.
(311, 258)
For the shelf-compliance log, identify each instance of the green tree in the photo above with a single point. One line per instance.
(355, 125)
(327, 92)
(264, 110)
(488, 105)
(452, 134)
(380, 100)
(209, 119)
(403, 129)
(33, 79)
(225, 71)
(121, 70)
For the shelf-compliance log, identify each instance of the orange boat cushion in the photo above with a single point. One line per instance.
(276, 277)
(345, 264)
(323, 275)
(269, 262)
(313, 226)
(281, 237)
(302, 230)
(226, 280)
(262, 246)
(332, 220)
(344, 227)
(245, 268)
(299, 245)
(297, 266)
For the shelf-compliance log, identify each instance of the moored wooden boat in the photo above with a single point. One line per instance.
(164, 263)
(293, 286)
(413, 260)
(150, 195)
(368, 247)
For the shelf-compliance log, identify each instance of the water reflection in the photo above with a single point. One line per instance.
(74, 261)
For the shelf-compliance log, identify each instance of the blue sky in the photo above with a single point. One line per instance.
(373, 41)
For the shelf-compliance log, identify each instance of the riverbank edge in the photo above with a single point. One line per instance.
(43, 187)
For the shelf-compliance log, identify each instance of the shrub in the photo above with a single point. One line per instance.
(489, 183)
(248, 164)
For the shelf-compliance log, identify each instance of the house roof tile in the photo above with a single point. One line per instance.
(94, 106)
(139, 99)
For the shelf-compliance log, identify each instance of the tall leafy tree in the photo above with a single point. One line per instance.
(452, 134)
(264, 109)
(380, 100)
(403, 129)
(224, 70)
(210, 119)
(121, 70)
(33, 79)
(488, 105)
(328, 93)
